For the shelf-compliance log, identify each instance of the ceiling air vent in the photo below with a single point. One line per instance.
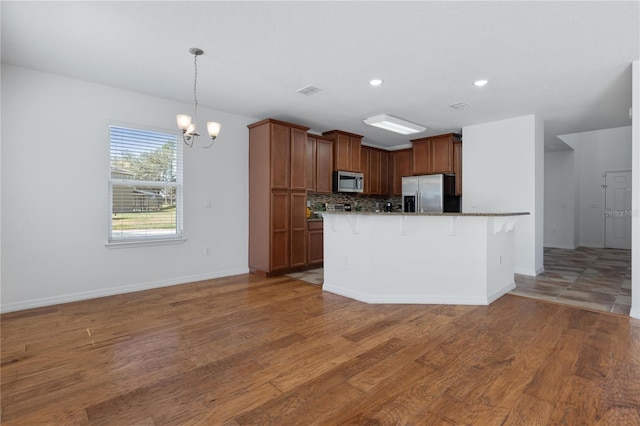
(309, 90)
(460, 106)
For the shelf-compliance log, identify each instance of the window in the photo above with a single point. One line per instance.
(145, 186)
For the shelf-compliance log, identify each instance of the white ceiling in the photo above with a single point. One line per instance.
(568, 62)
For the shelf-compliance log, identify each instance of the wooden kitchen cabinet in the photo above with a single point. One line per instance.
(384, 172)
(319, 165)
(346, 150)
(310, 164)
(316, 243)
(298, 224)
(434, 154)
(457, 165)
(277, 196)
(374, 171)
(324, 166)
(364, 169)
(401, 165)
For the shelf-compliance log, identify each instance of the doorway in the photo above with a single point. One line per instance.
(617, 210)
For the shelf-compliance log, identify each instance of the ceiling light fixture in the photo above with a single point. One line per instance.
(375, 82)
(185, 123)
(394, 124)
(480, 83)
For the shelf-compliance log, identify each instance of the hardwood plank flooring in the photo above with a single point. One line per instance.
(251, 350)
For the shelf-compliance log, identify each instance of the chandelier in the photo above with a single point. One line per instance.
(185, 123)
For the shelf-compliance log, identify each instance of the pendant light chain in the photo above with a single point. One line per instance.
(195, 84)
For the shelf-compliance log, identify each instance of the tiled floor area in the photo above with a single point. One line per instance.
(591, 278)
(312, 276)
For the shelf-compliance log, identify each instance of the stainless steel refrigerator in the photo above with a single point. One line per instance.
(429, 194)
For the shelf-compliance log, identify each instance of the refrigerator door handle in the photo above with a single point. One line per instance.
(418, 204)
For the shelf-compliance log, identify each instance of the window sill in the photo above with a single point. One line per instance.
(144, 243)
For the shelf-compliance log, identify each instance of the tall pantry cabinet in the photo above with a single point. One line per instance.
(277, 197)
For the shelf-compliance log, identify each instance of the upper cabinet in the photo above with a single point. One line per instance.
(319, 164)
(434, 154)
(375, 166)
(284, 153)
(346, 150)
(400, 165)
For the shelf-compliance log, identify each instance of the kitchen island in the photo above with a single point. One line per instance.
(430, 258)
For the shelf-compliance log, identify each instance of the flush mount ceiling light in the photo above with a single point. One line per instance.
(185, 123)
(375, 82)
(480, 83)
(394, 124)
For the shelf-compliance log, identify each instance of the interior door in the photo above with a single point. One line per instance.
(618, 210)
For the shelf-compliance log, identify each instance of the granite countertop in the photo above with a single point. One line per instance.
(429, 214)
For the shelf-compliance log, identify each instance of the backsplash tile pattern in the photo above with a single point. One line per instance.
(366, 203)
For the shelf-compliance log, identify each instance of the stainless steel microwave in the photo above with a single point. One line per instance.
(348, 181)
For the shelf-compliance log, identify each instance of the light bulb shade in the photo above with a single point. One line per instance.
(213, 128)
(191, 130)
(184, 121)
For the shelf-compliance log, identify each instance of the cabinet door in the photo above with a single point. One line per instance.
(280, 156)
(298, 180)
(354, 154)
(324, 166)
(364, 168)
(298, 254)
(342, 152)
(316, 243)
(384, 173)
(441, 153)
(457, 165)
(401, 166)
(421, 158)
(310, 164)
(280, 225)
(374, 172)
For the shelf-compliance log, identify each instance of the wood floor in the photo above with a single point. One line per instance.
(252, 350)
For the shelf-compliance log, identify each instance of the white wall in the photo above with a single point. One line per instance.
(559, 199)
(503, 166)
(597, 152)
(635, 198)
(55, 165)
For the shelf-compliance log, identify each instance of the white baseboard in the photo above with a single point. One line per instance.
(500, 292)
(559, 246)
(84, 295)
(411, 299)
(590, 245)
(527, 271)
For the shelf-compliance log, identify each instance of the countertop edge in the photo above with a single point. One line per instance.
(430, 214)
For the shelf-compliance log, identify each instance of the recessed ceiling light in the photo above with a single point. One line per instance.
(394, 124)
(375, 82)
(480, 83)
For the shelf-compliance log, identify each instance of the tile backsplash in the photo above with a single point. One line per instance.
(366, 203)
